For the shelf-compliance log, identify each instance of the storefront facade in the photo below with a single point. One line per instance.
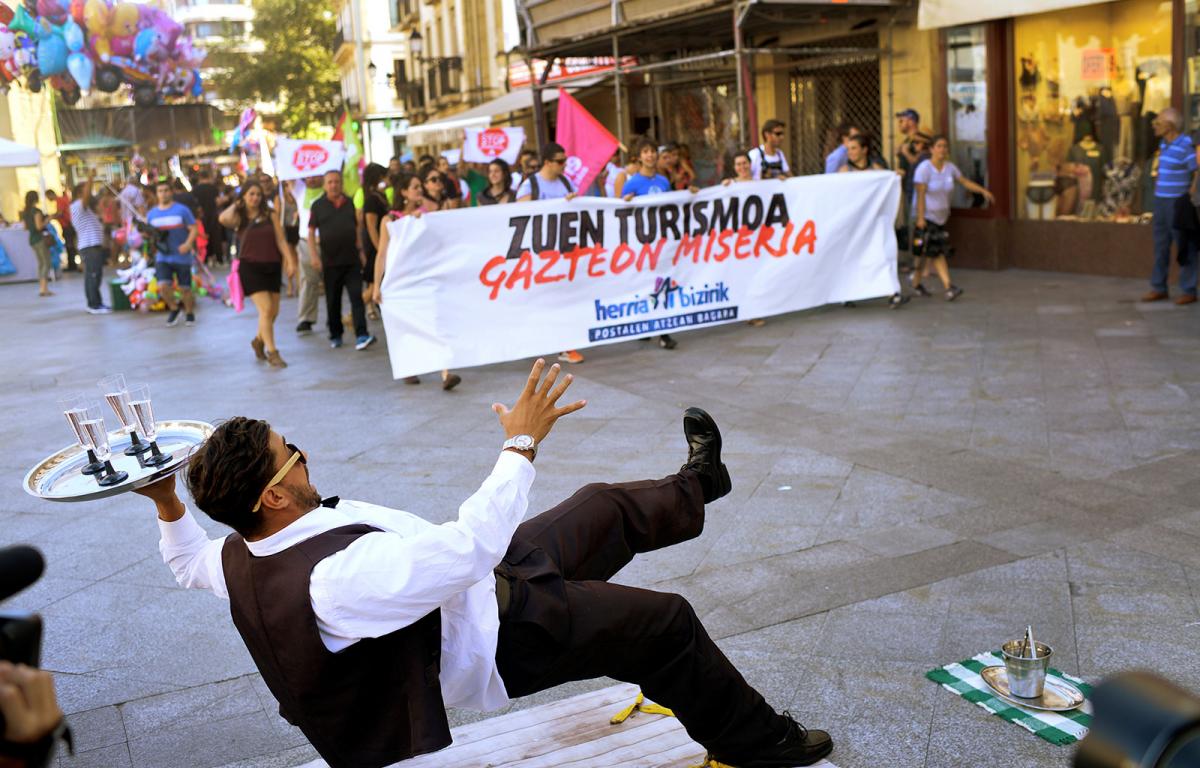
(1052, 110)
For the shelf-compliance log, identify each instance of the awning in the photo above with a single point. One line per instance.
(513, 101)
(934, 14)
(90, 143)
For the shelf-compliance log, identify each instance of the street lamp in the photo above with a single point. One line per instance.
(416, 44)
(372, 71)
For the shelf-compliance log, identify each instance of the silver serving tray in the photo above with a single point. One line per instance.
(57, 477)
(1057, 696)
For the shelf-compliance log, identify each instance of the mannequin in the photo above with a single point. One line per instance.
(1125, 97)
(1089, 153)
(1107, 123)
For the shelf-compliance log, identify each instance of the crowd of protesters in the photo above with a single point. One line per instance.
(248, 224)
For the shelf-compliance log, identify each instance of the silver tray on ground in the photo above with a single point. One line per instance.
(1057, 696)
(57, 477)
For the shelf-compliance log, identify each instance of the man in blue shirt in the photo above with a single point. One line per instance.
(647, 181)
(1176, 165)
(837, 158)
(173, 259)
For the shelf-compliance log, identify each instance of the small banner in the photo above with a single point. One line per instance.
(483, 145)
(587, 142)
(301, 158)
(505, 282)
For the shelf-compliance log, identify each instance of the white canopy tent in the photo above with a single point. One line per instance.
(14, 155)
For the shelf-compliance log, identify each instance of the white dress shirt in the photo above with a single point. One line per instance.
(389, 579)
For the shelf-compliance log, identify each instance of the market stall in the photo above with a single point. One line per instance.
(16, 241)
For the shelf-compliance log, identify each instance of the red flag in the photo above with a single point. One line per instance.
(339, 132)
(587, 142)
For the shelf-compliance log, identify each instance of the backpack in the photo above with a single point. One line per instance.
(536, 194)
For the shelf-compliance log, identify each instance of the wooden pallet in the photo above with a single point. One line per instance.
(571, 733)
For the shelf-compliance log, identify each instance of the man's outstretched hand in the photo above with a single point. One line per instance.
(537, 408)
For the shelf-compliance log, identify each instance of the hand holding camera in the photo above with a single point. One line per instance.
(28, 707)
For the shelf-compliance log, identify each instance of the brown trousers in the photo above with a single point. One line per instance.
(566, 622)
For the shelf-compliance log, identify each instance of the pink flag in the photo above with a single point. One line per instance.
(587, 142)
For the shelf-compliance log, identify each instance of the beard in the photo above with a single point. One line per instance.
(306, 495)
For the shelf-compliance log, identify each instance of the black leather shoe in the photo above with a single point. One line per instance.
(798, 747)
(704, 454)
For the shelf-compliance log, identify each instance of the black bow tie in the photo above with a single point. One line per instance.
(330, 502)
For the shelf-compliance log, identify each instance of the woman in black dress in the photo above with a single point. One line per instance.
(263, 256)
(374, 208)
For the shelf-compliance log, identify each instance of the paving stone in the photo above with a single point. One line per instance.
(898, 478)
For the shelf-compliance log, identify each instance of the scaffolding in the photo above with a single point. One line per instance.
(832, 80)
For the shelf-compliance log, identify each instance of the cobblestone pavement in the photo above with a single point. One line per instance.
(910, 488)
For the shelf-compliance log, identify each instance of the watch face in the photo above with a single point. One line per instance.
(524, 442)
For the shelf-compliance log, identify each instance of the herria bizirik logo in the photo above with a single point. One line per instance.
(644, 315)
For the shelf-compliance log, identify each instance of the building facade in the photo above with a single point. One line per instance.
(371, 50)
(28, 118)
(1050, 109)
(216, 22)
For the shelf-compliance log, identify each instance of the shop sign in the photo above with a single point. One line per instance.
(1098, 64)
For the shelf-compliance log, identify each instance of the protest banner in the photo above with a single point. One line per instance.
(483, 145)
(505, 282)
(301, 158)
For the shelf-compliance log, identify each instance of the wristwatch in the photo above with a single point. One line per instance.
(521, 443)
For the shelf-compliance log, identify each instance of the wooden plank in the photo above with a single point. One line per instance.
(572, 733)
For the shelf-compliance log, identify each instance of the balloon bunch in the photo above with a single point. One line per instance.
(75, 45)
(139, 284)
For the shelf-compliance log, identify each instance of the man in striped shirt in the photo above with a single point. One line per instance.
(89, 241)
(1176, 165)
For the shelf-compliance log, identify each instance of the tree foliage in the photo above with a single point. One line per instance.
(295, 70)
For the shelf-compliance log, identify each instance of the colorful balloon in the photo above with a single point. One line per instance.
(82, 69)
(73, 35)
(51, 51)
(52, 10)
(23, 21)
(6, 14)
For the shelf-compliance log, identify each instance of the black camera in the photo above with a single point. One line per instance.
(20, 631)
(1142, 720)
(932, 241)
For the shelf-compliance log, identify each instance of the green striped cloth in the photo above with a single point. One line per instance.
(1055, 727)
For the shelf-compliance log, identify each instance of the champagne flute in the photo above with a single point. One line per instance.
(116, 393)
(143, 414)
(93, 426)
(73, 407)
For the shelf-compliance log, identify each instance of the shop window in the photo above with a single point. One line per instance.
(966, 81)
(1088, 82)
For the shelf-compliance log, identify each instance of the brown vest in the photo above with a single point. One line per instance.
(372, 704)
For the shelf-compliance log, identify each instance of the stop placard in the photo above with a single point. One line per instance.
(492, 142)
(309, 157)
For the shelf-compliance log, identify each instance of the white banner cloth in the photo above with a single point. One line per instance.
(301, 158)
(503, 282)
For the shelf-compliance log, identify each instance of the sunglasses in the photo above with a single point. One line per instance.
(434, 180)
(777, 133)
(558, 160)
(297, 455)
